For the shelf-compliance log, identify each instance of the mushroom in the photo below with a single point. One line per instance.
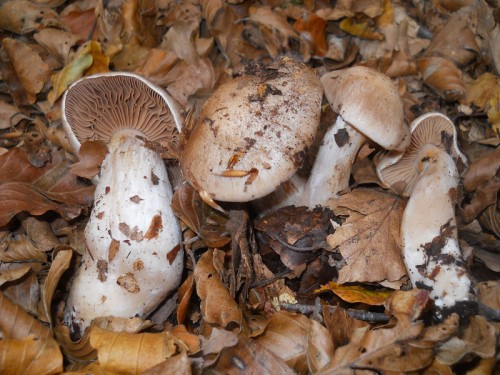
(431, 250)
(396, 170)
(252, 132)
(134, 258)
(369, 107)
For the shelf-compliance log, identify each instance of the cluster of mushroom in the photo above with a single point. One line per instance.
(249, 141)
(251, 131)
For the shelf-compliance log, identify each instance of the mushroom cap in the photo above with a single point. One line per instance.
(370, 102)
(401, 174)
(252, 132)
(95, 107)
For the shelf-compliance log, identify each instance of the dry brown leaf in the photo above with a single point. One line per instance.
(12, 274)
(369, 239)
(21, 249)
(177, 364)
(91, 155)
(41, 233)
(283, 329)
(80, 350)
(58, 43)
(407, 305)
(59, 265)
(130, 353)
(23, 16)
(249, 357)
(320, 347)
(184, 297)
(217, 305)
(489, 293)
(25, 290)
(31, 70)
(478, 338)
(349, 8)
(15, 323)
(482, 170)
(30, 355)
(442, 76)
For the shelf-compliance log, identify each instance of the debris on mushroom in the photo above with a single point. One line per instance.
(369, 107)
(252, 132)
(429, 236)
(134, 258)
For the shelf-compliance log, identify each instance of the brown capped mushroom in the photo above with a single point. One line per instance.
(134, 258)
(252, 132)
(368, 107)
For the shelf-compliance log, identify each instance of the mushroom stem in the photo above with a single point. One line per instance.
(332, 167)
(428, 231)
(134, 259)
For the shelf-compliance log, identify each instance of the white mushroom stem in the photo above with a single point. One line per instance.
(134, 259)
(332, 167)
(429, 236)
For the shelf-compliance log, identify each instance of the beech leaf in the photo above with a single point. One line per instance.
(356, 293)
(91, 155)
(369, 239)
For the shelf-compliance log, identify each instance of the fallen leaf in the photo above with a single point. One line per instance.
(442, 76)
(356, 293)
(23, 16)
(31, 70)
(91, 155)
(320, 347)
(30, 355)
(361, 28)
(217, 305)
(369, 239)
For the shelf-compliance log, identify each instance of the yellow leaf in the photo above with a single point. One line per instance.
(356, 293)
(360, 28)
(89, 60)
(494, 110)
(482, 89)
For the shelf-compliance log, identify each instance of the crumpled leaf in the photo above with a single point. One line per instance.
(22, 16)
(58, 42)
(21, 249)
(349, 8)
(217, 305)
(31, 70)
(88, 60)
(38, 190)
(132, 353)
(320, 347)
(356, 293)
(284, 328)
(250, 357)
(30, 355)
(90, 155)
(442, 76)
(177, 364)
(478, 338)
(369, 239)
(12, 274)
(295, 234)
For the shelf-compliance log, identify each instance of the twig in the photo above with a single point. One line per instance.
(300, 249)
(271, 279)
(356, 314)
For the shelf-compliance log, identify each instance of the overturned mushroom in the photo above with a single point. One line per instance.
(252, 132)
(369, 107)
(428, 230)
(134, 258)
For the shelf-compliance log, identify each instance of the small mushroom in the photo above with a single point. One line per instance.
(252, 132)
(134, 258)
(369, 107)
(397, 171)
(428, 174)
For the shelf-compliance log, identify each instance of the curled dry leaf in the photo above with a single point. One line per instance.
(30, 355)
(478, 338)
(283, 329)
(130, 353)
(21, 249)
(217, 305)
(32, 72)
(442, 76)
(250, 357)
(57, 42)
(369, 239)
(91, 155)
(15, 323)
(23, 290)
(12, 274)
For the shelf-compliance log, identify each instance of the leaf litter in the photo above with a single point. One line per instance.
(338, 269)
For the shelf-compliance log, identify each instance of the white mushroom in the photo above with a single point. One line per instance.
(134, 258)
(427, 173)
(369, 107)
(252, 132)
(429, 236)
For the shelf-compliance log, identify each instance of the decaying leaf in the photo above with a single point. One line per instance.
(442, 76)
(217, 305)
(91, 155)
(369, 239)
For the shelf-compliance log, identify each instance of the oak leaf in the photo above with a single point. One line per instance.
(369, 239)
